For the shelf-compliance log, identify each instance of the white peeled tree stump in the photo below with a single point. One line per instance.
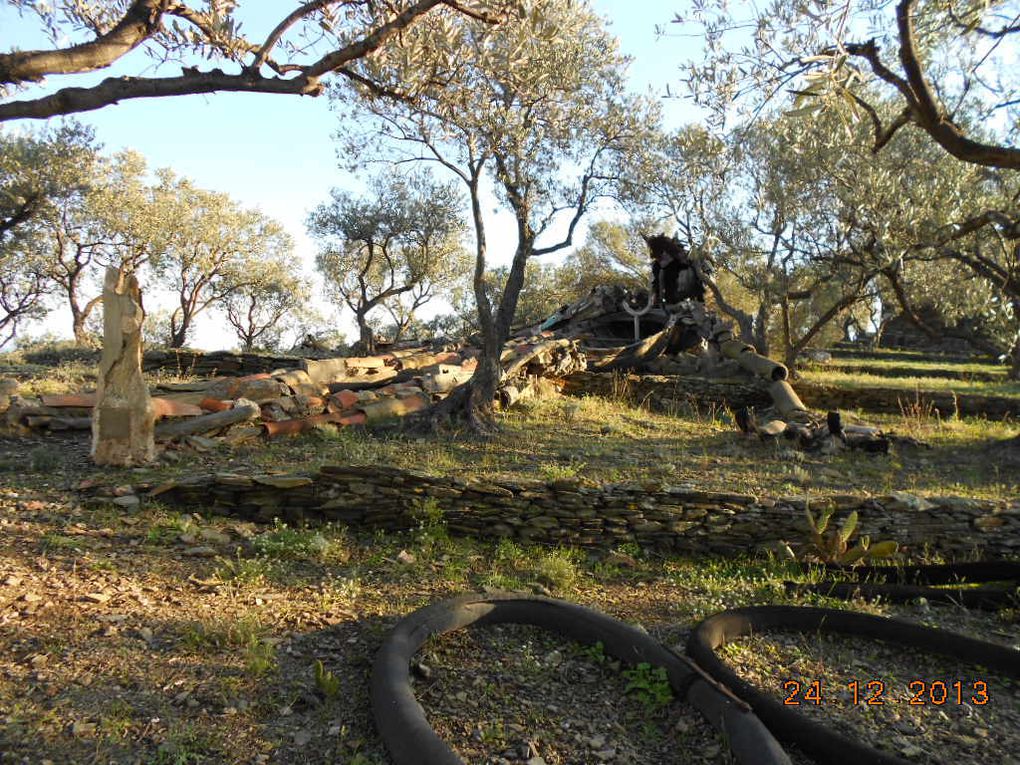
(123, 418)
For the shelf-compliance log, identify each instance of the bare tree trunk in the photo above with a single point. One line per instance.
(1014, 360)
(790, 350)
(365, 335)
(760, 340)
(81, 336)
(178, 334)
(483, 387)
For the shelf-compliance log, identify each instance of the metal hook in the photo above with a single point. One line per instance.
(637, 314)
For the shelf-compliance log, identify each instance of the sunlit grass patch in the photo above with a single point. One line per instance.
(322, 545)
(858, 380)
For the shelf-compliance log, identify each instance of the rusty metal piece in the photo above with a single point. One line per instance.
(638, 313)
(81, 400)
(168, 407)
(213, 404)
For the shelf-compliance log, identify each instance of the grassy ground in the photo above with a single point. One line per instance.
(599, 440)
(846, 377)
(895, 362)
(119, 643)
(116, 645)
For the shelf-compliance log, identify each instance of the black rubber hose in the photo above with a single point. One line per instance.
(950, 573)
(977, 597)
(410, 740)
(816, 740)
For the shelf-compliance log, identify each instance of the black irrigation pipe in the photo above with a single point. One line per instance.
(788, 724)
(986, 598)
(950, 573)
(903, 584)
(410, 739)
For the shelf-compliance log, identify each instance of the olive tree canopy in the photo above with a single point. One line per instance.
(950, 66)
(311, 41)
(534, 110)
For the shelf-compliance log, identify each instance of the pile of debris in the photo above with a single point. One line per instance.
(689, 340)
(603, 332)
(316, 392)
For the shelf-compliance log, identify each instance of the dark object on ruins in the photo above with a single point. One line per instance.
(674, 277)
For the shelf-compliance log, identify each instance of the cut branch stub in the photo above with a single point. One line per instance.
(752, 361)
(123, 418)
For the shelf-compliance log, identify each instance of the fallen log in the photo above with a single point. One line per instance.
(639, 353)
(242, 411)
(785, 399)
(752, 361)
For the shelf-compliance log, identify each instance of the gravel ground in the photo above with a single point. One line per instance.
(511, 693)
(923, 715)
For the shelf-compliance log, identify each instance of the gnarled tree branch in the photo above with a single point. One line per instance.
(142, 20)
(925, 109)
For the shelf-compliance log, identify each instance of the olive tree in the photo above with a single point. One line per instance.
(213, 250)
(270, 302)
(531, 111)
(948, 65)
(402, 239)
(46, 240)
(309, 44)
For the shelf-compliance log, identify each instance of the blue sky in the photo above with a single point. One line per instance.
(277, 153)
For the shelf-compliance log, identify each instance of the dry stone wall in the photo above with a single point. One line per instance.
(566, 512)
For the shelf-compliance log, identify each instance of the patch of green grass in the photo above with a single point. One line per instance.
(222, 634)
(187, 744)
(324, 545)
(910, 385)
(165, 529)
(54, 541)
(45, 459)
(553, 472)
(243, 572)
(900, 365)
(116, 719)
(326, 682)
(259, 657)
(557, 569)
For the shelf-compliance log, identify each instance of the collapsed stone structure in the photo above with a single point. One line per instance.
(605, 331)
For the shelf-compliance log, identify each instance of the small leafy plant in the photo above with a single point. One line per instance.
(596, 652)
(832, 545)
(650, 685)
(327, 683)
(259, 657)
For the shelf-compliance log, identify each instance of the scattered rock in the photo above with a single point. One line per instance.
(405, 557)
(83, 729)
(200, 551)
